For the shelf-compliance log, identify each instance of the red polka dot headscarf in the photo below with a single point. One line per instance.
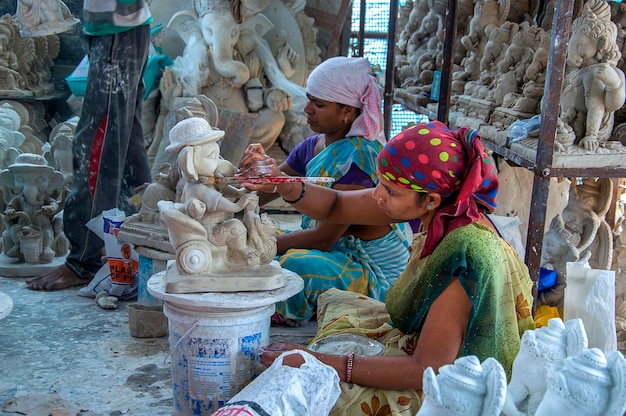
(429, 157)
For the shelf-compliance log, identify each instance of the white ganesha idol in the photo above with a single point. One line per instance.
(464, 388)
(589, 384)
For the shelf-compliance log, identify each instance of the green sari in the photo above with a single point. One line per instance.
(496, 281)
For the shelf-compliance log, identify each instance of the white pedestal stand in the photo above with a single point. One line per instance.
(214, 340)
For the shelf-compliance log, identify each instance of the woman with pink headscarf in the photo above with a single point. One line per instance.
(344, 109)
(465, 290)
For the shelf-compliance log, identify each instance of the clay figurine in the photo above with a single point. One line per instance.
(28, 217)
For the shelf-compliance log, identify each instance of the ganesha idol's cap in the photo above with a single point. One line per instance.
(192, 132)
(465, 374)
(29, 160)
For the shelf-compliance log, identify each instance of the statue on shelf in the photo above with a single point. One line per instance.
(488, 16)
(44, 17)
(16, 55)
(595, 87)
(39, 79)
(11, 139)
(30, 216)
(527, 102)
(591, 383)
(464, 388)
(207, 237)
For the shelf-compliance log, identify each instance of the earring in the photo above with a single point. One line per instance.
(345, 120)
(429, 206)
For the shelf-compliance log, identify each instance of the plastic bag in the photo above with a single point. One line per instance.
(590, 296)
(310, 390)
(119, 275)
(508, 227)
(520, 129)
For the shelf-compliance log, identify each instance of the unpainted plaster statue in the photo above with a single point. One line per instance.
(542, 349)
(16, 55)
(58, 152)
(619, 266)
(11, 139)
(595, 87)
(201, 223)
(465, 388)
(227, 59)
(528, 101)
(583, 217)
(591, 383)
(44, 17)
(558, 248)
(488, 16)
(29, 216)
(579, 235)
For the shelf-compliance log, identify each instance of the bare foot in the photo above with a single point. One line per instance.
(60, 278)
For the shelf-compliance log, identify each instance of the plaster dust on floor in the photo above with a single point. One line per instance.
(61, 354)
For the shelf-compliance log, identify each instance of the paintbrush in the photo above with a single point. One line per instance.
(268, 179)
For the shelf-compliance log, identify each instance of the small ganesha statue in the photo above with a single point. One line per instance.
(591, 383)
(465, 388)
(542, 349)
(31, 218)
(212, 233)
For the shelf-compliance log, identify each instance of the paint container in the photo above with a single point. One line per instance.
(148, 266)
(214, 353)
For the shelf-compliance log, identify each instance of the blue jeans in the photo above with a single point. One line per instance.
(109, 154)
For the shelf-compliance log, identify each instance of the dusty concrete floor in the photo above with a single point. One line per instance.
(61, 354)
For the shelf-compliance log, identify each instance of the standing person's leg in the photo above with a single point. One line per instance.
(102, 147)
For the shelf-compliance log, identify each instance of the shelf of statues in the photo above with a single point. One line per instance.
(501, 63)
(29, 43)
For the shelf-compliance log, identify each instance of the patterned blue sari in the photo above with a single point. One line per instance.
(366, 267)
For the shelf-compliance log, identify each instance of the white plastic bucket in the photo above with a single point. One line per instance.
(214, 354)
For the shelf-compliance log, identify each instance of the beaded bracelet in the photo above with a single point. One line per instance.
(299, 198)
(349, 363)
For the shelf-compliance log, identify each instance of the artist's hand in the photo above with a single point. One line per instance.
(272, 351)
(256, 163)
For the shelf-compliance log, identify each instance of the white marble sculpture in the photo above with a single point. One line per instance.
(465, 388)
(542, 349)
(210, 242)
(29, 217)
(591, 383)
(44, 17)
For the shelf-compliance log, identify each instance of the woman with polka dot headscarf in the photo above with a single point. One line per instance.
(465, 290)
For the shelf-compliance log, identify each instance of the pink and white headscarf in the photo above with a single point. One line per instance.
(348, 81)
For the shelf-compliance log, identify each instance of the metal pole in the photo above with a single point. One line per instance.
(390, 66)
